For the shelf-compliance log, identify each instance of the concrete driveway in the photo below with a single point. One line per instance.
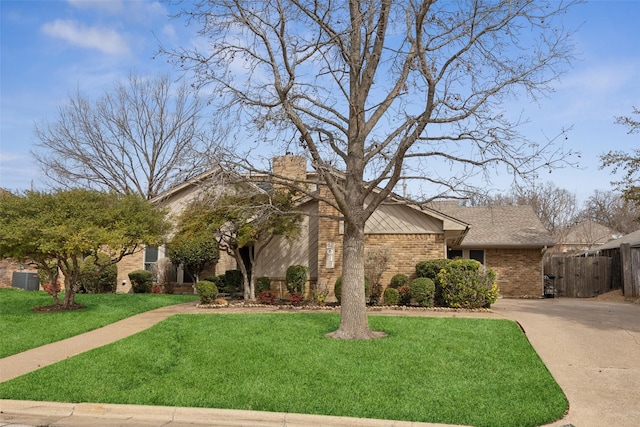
(592, 348)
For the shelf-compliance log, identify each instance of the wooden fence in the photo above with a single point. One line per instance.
(582, 277)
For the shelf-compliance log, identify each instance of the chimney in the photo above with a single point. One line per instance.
(289, 167)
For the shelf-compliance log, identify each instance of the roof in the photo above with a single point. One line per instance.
(499, 226)
(589, 232)
(633, 239)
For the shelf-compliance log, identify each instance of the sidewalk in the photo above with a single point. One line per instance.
(591, 348)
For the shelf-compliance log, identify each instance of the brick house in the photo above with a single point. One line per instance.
(410, 232)
(509, 239)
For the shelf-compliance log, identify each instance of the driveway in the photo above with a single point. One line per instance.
(592, 348)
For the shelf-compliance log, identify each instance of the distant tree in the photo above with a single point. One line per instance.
(141, 137)
(556, 207)
(629, 185)
(193, 246)
(246, 219)
(382, 91)
(65, 226)
(612, 210)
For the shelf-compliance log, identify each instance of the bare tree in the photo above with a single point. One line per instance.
(612, 210)
(629, 162)
(382, 90)
(141, 137)
(556, 207)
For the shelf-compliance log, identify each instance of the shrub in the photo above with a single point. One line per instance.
(263, 284)
(95, 281)
(267, 297)
(49, 289)
(404, 295)
(296, 279)
(233, 282)
(423, 291)
(431, 268)
(141, 281)
(295, 298)
(207, 291)
(337, 289)
(391, 296)
(319, 292)
(399, 280)
(467, 284)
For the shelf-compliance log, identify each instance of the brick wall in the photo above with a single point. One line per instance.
(519, 271)
(127, 265)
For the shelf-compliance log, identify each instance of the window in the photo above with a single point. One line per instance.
(454, 253)
(151, 258)
(477, 254)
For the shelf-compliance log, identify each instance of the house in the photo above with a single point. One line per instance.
(584, 236)
(511, 240)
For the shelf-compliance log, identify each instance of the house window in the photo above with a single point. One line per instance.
(151, 258)
(477, 254)
(454, 253)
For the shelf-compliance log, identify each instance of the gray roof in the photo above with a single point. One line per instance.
(499, 226)
(633, 239)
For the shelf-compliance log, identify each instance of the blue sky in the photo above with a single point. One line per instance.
(50, 49)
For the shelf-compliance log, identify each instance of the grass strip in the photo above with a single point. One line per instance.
(24, 329)
(480, 372)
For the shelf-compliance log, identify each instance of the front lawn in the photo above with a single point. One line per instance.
(24, 329)
(480, 372)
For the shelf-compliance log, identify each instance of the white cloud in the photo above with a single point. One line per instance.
(112, 6)
(105, 40)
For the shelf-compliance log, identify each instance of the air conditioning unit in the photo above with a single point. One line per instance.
(25, 280)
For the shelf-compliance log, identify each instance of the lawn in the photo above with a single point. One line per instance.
(480, 372)
(24, 329)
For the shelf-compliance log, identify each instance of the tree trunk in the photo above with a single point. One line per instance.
(353, 314)
(69, 293)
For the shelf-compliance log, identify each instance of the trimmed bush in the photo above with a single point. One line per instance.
(399, 280)
(141, 281)
(423, 291)
(94, 282)
(296, 279)
(337, 289)
(467, 284)
(233, 282)
(404, 295)
(263, 284)
(207, 291)
(391, 296)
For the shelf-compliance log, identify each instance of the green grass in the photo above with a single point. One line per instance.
(24, 329)
(479, 372)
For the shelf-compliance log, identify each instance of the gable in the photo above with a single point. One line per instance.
(401, 219)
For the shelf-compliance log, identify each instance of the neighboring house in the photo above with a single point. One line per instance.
(584, 236)
(511, 244)
(509, 239)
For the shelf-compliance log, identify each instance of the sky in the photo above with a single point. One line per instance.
(51, 49)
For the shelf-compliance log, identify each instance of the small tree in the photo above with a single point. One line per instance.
(192, 247)
(376, 261)
(246, 219)
(64, 226)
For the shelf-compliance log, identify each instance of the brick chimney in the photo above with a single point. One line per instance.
(289, 167)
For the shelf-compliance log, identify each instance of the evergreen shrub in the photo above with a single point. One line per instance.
(141, 281)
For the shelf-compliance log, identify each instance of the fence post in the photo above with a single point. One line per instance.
(626, 264)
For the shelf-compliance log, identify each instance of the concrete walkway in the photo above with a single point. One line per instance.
(592, 349)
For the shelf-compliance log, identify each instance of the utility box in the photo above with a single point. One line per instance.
(25, 280)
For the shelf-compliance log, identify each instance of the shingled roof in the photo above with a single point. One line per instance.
(499, 226)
